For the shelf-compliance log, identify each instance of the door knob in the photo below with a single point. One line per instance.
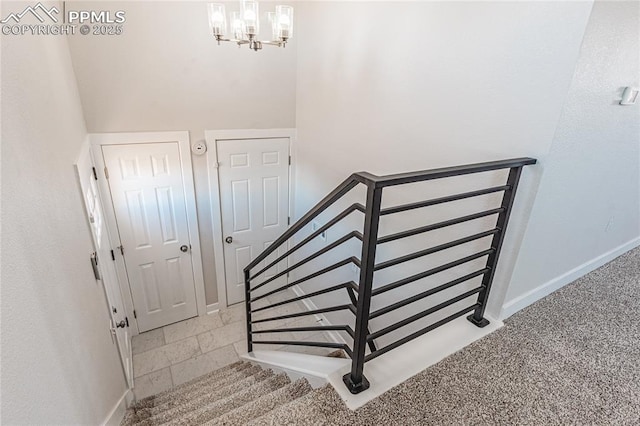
(184, 248)
(121, 324)
(229, 240)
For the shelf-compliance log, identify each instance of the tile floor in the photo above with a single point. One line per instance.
(174, 354)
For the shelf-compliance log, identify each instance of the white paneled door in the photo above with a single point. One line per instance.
(148, 196)
(254, 198)
(105, 263)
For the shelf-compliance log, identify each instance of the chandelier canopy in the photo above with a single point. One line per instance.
(245, 24)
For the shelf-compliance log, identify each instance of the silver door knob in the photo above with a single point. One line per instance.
(184, 248)
(229, 240)
(121, 324)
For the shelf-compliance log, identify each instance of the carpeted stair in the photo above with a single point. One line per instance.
(234, 395)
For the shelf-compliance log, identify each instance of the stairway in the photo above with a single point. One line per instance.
(237, 394)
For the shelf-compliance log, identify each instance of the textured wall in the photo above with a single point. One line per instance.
(165, 72)
(588, 199)
(59, 364)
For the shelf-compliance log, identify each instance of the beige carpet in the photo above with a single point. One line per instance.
(572, 358)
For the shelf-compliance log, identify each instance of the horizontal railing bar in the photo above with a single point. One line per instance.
(308, 259)
(305, 313)
(430, 272)
(382, 181)
(301, 329)
(432, 227)
(423, 314)
(435, 249)
(346, 212)
(444, 172)
(434, 201)
(310, 276)
(305, 343)
(346, 285)
(419, 333)
(321, 206)
(427, 293)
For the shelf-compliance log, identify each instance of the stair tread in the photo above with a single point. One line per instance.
(314, 408)
(238, 394)
(229, 370)
(210, 394)
(211, 387)
(263, 405)
(222, 406)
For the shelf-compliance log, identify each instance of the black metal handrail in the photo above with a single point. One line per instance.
(360, 294)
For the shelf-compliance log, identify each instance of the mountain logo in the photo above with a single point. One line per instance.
(39, 10)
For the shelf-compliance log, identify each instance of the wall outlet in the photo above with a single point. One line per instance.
(315, 226)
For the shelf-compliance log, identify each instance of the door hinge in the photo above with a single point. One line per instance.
(121, 250)
(126, 320)
(95, 174)
(106, 173)
(113, 256)
(289, 221)
(289, 160)
(134, 314)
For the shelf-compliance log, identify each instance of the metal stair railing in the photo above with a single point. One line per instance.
(360, 294)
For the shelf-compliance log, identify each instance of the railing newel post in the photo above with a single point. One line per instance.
(355, 380)
(477, 318)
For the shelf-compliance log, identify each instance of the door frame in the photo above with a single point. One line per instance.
(97, 140)
(212, 137)
(87, 153)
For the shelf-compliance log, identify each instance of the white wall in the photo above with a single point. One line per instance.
(165, 72)
(384, 87)
(588, 202)
(391, 87)
(59, 364)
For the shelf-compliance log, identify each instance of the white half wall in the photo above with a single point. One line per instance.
(59, 363)
(587, 209)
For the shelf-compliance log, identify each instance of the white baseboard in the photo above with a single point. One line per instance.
(115, 416)
(214, 307)
(521, 302)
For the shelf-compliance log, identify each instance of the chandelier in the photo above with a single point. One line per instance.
(245, 25)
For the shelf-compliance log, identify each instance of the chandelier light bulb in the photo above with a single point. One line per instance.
(284, 16)
(250, 15)
(237, 26)
(217, 19)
